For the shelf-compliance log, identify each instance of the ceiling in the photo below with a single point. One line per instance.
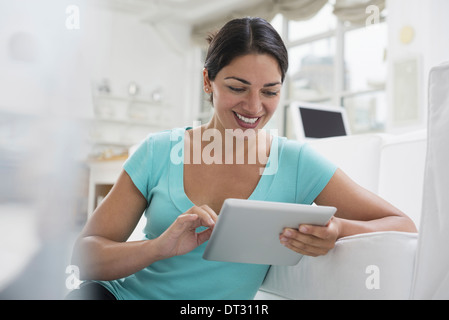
(184, 11)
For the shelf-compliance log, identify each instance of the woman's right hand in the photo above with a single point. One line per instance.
(181, 237)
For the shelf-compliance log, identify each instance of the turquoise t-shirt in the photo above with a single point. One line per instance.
(294, 173)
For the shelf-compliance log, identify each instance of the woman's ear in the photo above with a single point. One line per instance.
(206, 81)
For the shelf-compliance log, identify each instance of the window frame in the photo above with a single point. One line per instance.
(339, 93)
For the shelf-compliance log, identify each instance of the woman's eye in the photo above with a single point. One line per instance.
(268, 93)
(271, 93)
(236, 89)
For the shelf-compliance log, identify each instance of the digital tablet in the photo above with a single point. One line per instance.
(247, 231)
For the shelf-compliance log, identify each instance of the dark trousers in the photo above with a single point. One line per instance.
(90, 291)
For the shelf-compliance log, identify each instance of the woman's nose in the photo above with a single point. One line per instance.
(254, 104)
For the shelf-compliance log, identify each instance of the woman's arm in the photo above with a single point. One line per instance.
(358, 211)
(102, 253)
(361, 211)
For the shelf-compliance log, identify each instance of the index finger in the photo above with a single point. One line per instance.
(207, 217)
(211, 212)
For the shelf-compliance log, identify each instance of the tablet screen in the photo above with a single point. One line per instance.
(247, 231)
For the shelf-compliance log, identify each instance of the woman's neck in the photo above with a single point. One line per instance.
(231, 146)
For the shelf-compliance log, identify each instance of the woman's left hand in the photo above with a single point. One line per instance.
(311, 240)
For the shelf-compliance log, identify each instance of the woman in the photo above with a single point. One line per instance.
(244, 71)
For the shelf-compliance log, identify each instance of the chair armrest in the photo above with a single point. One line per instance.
(368, 266)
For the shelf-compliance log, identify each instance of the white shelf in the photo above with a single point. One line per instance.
(122, 121)
(129, 100)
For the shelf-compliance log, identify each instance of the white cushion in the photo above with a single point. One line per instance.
(351, 270)
(357, 156)
(432, 272)
(401, 175)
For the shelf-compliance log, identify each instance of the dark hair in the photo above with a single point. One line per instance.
(244, 36)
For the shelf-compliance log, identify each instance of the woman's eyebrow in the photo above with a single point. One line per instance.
(249, 83)
(239, 79)
(271, 84)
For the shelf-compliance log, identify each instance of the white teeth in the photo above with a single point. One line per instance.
(247, 120)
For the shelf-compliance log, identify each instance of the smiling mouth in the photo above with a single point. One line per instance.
(249, 121)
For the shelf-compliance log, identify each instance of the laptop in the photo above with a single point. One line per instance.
(315, 121)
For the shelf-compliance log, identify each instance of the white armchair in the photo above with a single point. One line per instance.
(368, 266)
(410, 171)
(431, 279)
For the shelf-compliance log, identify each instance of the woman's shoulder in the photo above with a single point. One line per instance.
(291, 145)
(164, 137)
(299, 151)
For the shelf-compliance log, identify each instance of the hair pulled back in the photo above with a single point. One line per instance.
(244, 36)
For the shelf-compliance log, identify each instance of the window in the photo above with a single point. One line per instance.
(311, 71)
(365, 58)
(337, 63)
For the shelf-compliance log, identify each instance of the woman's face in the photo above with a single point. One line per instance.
(246, 92)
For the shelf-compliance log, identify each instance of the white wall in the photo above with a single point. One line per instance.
(123, 49)
(430, 46)
(108, 44)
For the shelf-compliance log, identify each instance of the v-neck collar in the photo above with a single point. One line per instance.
(176, 173)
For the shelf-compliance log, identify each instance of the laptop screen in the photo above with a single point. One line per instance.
(322, 123)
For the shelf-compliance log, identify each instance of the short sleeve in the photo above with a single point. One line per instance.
(314, 173)
(139, 166)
